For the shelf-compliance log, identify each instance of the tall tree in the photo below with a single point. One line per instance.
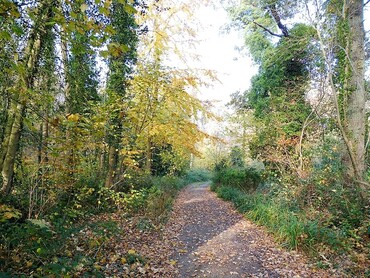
(354, 87)
(342, 38)
(277, 94)
(336, 29)
(123, 57)
(26, 69)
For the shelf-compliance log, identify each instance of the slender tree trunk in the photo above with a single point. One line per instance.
(112, 165)
(148, 161)
(45, 138)
(67, 90)
(11, 153)
(356, 99)
(42, 155)
(69, 134)
(25, 82)
(6, 137)
(39, 146)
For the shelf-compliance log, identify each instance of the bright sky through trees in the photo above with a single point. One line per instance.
(219, 51)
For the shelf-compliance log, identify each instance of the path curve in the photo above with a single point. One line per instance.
(211, 239)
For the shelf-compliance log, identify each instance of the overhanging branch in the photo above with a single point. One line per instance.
(268, 30)
(276, 16)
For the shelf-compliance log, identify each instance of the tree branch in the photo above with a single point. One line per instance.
(276, 16)
(268, 30)
(367, 2)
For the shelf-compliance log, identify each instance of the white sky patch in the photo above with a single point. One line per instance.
(218, 52)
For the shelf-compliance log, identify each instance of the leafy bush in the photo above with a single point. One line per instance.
(8, 213)
(197, 175)
(37, 248)
(246, 179)
(161, 196)
(134, 179)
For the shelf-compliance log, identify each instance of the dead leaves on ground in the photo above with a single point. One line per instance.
(204, 237)
(133, 248)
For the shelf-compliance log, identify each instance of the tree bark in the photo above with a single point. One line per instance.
(274, 13)
(64, 50)
(356, 99)
(25, 83)
(6, 136)
(8, 164)
(112, 165)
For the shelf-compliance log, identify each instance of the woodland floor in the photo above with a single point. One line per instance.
(204, 237)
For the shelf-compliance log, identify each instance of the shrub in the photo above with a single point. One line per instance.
(197, 175)
(161, 196)
(246, 179)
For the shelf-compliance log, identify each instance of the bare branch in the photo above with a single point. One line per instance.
(276, 16)
(267, 30)
(367, 2)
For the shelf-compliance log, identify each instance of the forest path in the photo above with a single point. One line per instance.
(211, 239)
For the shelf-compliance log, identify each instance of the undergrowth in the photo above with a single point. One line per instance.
(197, 175)
(318, 215)
(48, 246)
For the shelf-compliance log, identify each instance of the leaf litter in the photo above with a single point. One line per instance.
(203, 237)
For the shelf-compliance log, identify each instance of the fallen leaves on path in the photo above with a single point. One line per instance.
(221, 243)
(204, 237)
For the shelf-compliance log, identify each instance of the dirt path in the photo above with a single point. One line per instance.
(211, 239)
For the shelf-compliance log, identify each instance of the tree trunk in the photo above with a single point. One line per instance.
(356, 99)
(45, 138)
(25, 83)
(6, 136)
(11, 152)
(67, 88)
(148, 161)
(112, 165)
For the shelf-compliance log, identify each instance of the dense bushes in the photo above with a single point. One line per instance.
(319, 214)
(45, 246)
(197, 175)
(246, 179)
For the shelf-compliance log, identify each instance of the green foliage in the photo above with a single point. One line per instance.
(221, 165)
(161, 197)
(307, 202)
(246, 179)
(197, 175)
(132, 258)
(321, 216)
(165, 161)
(8, 213)
(78, 142)
(277, 95)
(289, 227)
(236, 157)
(326, 194)
(45, 246)
(50, 250)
